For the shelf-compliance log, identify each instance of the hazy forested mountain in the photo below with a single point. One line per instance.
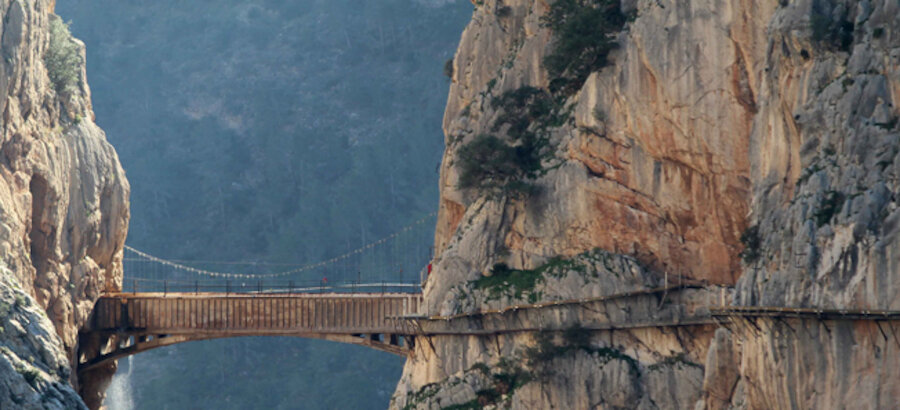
(272, 131)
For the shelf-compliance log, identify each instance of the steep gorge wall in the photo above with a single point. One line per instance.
(775, 120)
(63, 195)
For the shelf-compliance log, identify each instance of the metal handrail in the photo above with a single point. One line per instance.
(273, 286)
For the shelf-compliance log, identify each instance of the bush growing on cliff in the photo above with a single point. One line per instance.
(490, 165)
(583, 37)
(504, 165)
(751, 240)
(448, 68)
(529, 112)
(62, 58)
(511, 282)
(540, 356)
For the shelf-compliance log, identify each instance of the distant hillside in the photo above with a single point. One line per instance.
(271, 131)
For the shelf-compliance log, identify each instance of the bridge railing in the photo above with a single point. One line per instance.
(135, 285)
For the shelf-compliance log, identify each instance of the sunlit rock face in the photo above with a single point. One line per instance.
(772, 120)
(63, 195)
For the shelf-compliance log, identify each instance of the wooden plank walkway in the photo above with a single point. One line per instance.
(136, 322)
(123, 324)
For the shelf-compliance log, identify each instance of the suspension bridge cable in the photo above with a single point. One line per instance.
(371, 245)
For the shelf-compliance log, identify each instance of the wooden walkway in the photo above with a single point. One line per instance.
(123, 324)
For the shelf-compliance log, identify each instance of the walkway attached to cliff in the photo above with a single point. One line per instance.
(387, 316)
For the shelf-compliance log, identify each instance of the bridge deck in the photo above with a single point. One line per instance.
(129, 323)
(266, 313)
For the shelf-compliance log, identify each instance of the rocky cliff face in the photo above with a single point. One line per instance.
(751, 145)
(63, 196)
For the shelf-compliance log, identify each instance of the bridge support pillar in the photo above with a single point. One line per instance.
(91, 384)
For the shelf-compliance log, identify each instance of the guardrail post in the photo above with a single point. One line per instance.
(134, 286)
(165, 287)
(196, 287)
(382, 287)
(227, 287)
(291, 288)
(259, 286)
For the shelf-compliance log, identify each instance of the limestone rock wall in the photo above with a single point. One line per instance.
(826, 145)
(63, 194)
(34, 370)
(720, 129)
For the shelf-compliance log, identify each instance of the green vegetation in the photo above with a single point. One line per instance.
(509, 377)
(31, 374)
(5, 310)
(318, 130)
(528, 112)
(21, 300)
(829, 206)
(540, 356)
(512, 282)
(422, 395)
(752, 244)
(62, 58)
(583, 37)
(482, 368)
(490, 165)
(448, 68)
(520, 283)
(469, 405)
(808, 172)
(847, 82)
(675, 360)
(504, 166)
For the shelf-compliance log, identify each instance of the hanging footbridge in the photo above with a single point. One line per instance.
(356, 297)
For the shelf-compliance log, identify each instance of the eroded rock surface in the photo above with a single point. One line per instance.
(63, 194)
(34, 370)
(747, 144)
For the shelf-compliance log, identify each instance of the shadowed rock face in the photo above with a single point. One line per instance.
(713, 116)
(63, 194)
(34, 370)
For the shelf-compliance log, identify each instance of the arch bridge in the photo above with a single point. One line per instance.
(124, 324)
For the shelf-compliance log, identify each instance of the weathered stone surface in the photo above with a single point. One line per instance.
(63, 194)
(827, 211)
(591, 274)
(713, 116)
(34, 370)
